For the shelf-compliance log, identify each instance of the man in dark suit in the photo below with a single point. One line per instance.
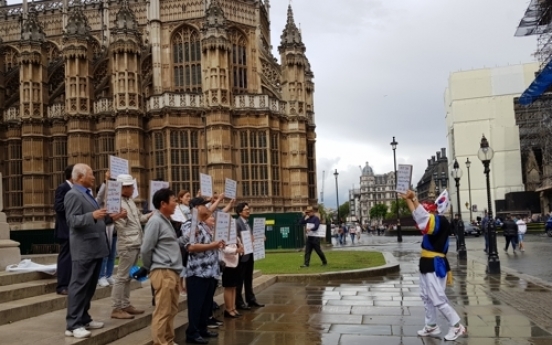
(61, 233)
(88, 241)
(246, 264)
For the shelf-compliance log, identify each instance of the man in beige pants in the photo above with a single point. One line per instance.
(129, 233)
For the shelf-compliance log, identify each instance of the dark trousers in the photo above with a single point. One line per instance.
(510, 239)
(313, 243)
(64, 266)
(246, 282)
(200, 304)
(82, 287)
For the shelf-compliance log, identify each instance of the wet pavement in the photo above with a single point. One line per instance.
(503, 309)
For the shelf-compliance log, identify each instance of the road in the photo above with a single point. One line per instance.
(535, 261)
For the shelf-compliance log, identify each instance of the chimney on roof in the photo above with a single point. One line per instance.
(438, 155)
(443, 152)
(429, 162)
(432, 159)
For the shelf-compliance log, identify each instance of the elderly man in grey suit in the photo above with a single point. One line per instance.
(88, 242)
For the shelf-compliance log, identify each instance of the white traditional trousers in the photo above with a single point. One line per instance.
(432, 291)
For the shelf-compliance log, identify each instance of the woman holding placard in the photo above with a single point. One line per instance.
(182, 214)
(231, 277)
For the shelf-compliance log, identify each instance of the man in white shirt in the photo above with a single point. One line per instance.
(522, 229)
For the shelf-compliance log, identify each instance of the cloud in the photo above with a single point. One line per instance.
(381, 69)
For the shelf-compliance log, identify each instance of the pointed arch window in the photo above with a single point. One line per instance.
(186, 60)
(239, 62)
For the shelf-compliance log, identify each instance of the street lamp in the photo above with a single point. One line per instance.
(485, 154)
(360, 198)
(399, 234)
(336, 174)
(468, 164)
(456, 174)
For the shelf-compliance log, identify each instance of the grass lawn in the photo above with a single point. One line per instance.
(288, 263)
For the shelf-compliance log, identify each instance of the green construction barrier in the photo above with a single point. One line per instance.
(282, 230)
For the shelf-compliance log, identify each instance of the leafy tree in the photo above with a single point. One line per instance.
(344, 210)
(378, 211)
(403, 209)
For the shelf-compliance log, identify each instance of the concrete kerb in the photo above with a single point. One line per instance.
(391, 266)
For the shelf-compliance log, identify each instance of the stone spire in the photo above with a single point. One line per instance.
(31, 29)
(291, 36)
(77, 24)
(214, 17)
(125, 20)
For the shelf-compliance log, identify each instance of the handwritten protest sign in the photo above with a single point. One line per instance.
(154, 187)
(259, 249)
(113, 196)
(206, 185)
(118, 166)
(230, 187)
(259, 228)
(233, 234)
(404, 178)
(222, 226)
(247, 242)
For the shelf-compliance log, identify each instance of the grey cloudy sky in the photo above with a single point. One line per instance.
(381, 68)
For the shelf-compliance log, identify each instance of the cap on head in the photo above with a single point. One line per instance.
(197, 201)
(127, 180)
(309, 209)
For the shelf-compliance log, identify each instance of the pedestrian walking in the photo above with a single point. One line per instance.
(434, 267)
(522, 229)
(510, 230)
(352, 233)
(312, 223)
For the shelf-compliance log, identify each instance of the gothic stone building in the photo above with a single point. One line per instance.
(177, 87)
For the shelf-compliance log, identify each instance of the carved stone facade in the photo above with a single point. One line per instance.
(177, 87)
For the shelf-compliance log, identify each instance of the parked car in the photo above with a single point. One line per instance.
(470, 229)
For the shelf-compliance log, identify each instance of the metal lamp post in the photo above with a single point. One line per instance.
(456, 174)
(485, 154)
(468, 164)
(399, 234)
(360, 198)
(336, 174)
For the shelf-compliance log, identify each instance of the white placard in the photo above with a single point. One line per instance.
(233, 234)
(321, 232)
(206, 185)
(259, 227)
(135, 193)
(117, 166)
(178, 215)
(222, 226)
(247, 243)
(230, 187)
(154, 187)
(193, 228)
(259, 249)
(113, 196)
(404, 178)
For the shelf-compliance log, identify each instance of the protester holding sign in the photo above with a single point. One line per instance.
(108, 263)
(129, 230)
(312, 223)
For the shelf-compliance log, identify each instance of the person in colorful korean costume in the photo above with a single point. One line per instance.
(435, 271)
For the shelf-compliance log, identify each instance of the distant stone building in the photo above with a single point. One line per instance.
(435, 178)
(374, 189)
(177, 87)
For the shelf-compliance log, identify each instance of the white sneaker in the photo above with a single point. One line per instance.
(94, 325)
(455, 332)
(103, 282)
(78, 333)
(427, 331)
(111, 281)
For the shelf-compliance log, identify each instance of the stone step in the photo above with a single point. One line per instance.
(49, 328)
(143, 336)
(10, 278)
(29, 307)
(43, 259)
(32, 288)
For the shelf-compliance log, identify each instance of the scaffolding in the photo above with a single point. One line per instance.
(535, 119)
